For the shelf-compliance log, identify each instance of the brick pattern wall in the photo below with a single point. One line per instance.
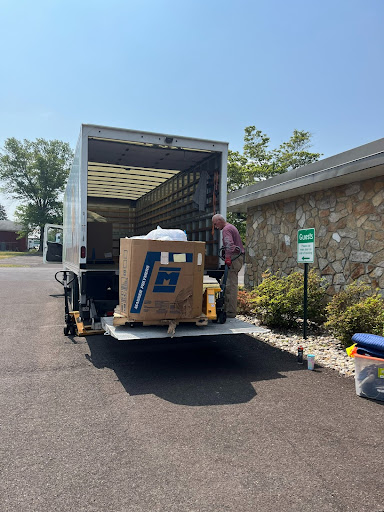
(349, 232)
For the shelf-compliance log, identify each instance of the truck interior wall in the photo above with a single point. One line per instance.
(122, 217)
(170, 205)
(173, 205)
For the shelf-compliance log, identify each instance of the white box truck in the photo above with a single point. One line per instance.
(125, 183)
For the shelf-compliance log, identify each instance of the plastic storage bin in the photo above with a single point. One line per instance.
(369, 377)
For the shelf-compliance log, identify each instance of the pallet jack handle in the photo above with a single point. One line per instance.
(220, 301)
(234, 256)
(226, 267)
(64, 279)
(69, 325)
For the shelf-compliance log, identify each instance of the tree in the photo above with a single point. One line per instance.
(258, 163)
(3, 213)
(35, 173)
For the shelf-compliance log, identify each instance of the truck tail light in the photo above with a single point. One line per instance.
(82, 251)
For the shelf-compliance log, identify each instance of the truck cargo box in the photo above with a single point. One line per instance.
(125, 183)
(135, 181)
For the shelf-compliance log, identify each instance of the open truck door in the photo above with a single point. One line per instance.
(53, 243)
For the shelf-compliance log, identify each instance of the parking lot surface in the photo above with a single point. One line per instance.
(192, 424)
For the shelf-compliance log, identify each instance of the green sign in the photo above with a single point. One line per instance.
(306, 245)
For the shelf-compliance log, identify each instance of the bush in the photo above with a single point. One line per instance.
(244, 303)
(278, 301)
(353, 310)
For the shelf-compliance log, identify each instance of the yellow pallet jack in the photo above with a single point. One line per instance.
(74, 324)
(210, 297)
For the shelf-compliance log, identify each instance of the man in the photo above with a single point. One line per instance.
(231, 240)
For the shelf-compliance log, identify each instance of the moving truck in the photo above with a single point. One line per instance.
(125, 183)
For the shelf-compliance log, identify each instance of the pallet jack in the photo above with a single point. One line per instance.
(74, 324)
(70, 325)
(214, 297)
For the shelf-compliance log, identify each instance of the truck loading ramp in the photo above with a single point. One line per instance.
(126, 333)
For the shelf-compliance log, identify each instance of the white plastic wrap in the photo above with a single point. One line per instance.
(165, 234)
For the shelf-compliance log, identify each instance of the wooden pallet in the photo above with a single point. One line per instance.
(200, 321)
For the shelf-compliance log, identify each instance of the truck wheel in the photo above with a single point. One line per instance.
(222, 317)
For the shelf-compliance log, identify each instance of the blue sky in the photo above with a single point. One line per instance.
(198, 68)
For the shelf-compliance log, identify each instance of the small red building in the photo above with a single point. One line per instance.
(9, 238)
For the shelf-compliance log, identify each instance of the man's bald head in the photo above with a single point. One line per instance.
(218, 221)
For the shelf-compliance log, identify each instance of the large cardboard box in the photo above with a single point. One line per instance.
(160, 280)
(99, 241)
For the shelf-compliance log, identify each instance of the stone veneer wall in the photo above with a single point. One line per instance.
(349, 235)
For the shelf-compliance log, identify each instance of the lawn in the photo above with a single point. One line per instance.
(12, 254)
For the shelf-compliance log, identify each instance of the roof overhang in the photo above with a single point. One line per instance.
(361, 163)
(9, 225)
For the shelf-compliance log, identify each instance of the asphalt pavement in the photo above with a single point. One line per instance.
(209, 424)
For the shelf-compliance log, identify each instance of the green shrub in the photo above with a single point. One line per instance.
(278, 300)
(355, 309)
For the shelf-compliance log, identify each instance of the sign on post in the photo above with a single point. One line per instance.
(306, 245)
(305, 254)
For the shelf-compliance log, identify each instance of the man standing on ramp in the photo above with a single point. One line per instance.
(231, 241)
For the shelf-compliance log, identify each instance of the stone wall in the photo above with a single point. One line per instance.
(349, 235)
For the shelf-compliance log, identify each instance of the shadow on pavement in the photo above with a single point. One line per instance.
(195, 371)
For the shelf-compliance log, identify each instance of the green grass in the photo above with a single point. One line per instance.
(9, 265)
(12, 254)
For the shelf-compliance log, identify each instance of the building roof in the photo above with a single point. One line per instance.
(361, 163)
(9, 225)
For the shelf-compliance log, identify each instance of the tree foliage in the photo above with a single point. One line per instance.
(3, 213)
(258, 162)
(35, 173)
(238, 220)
